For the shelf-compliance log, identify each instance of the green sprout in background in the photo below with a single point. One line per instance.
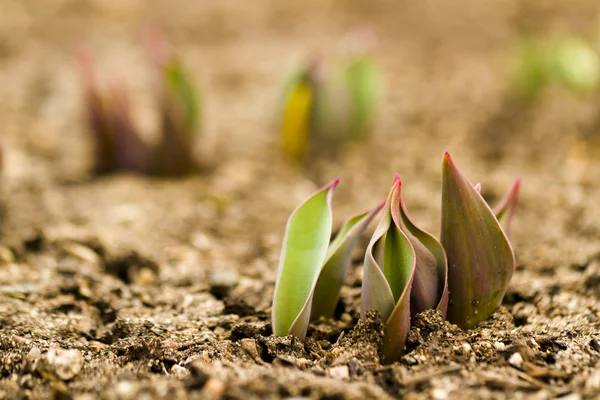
(567, 62)
(117, 141)
(327, 103)
(406, 270)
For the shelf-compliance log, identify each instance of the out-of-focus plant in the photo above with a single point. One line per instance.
(118, 143)
(568, 62)
(311, 269)
(327, 103)
(406, 270)
(179, 104)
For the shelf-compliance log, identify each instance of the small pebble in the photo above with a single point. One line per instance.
(125, 390)
(214, 387)
(592, 383)
(439, 394)
(249, 346)
(180, 372)
(409, 360)
(221, 281)
(499, 346)
(466, 347)
(65, 363)
(341, 372)
(516, 360)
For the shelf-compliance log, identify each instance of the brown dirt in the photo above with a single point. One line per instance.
(163, 287)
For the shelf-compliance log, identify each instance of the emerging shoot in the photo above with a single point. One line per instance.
(312, 270)
(118, 143)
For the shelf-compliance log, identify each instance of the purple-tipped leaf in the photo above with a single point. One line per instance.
(480, 258)
(387, 287)
(303, 254)
(430, 284)
(505, 210)
(337, 263)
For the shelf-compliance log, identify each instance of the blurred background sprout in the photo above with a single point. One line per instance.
(330, 101)
(118, 143)
(567, 62)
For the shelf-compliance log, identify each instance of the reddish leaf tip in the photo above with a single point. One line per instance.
(448, 158)
(157, 45)
(396, 178)
(333, 183)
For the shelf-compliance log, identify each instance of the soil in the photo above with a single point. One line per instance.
(124, 287)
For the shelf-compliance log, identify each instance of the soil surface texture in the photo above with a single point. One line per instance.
(131, 287)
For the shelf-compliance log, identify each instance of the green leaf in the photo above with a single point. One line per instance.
(480, 259)
(387, 288)
(339, 256)
(302, 256)
(181, 92)
(362, 79)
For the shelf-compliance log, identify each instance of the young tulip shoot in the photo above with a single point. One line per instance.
(407, 277)
(311, 270)
(327, 103)
(298, 109)
(480, 258)
(179, 105)
(117, 143)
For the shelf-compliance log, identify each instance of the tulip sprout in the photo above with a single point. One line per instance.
(118, 143)
(568, 62)
(312, 270)
(406, 270)
(327, 103)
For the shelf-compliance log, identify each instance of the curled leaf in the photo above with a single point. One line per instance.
(386, 288)
(339, 256)
(302, 256)
(506, 209)
(430, 285)
(480, 258)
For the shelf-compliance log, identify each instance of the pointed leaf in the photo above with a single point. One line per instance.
(339, 256)
(430, 284)
(480, 259)
(506, 209)
(302, 256)
(387, 288)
